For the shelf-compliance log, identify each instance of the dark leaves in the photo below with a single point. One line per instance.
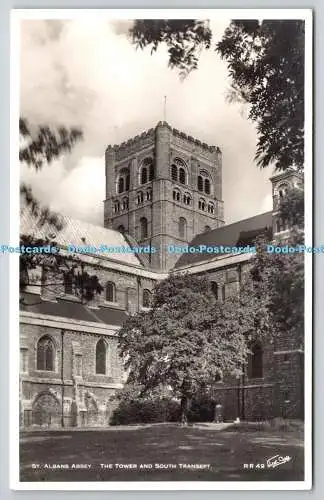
(45, 144)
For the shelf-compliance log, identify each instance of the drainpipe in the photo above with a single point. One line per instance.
(62, 378)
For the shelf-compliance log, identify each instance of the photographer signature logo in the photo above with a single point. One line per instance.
(270, 463)
(277, 460)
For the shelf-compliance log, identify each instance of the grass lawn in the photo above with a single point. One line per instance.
(223, 451)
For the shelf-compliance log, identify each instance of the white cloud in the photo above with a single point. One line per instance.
(88, 74)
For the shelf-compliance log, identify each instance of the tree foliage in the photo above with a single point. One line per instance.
(186, 341)
(266, 68)
(44, 144)
(55, 269)
(40, 146)
(184, 39)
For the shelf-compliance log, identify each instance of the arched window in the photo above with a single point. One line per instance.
(174, 173)
(146, 298)
(187, 199)
(255, 367)
(149, 195)
(45, 354)
(176, 195)
(178, 171)
(144, 175)
(116, 207)
(182, 175)
(183, 228)
(143, 227)
(203, 182)
(125, 204)
(211, 208)
(121, 185)
(110, 291)
(202, 204)
(68, 283)
(121, 228)
(206, 229)
(147, 171)
(215, 289)
(140, 197)
(282, 190)
(123, 181)
(101, 357)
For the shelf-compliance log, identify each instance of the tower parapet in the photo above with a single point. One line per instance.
(163, 187)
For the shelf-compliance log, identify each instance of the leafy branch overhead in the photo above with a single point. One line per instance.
(45, 144)
(266, 67)
(40, 146)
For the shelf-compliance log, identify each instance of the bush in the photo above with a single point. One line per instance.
(154, 410)
(146, 411)
(201, 410)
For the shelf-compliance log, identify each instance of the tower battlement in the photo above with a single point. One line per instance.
(163, 187)
(145, 139)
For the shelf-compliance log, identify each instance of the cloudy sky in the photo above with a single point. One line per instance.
(86, 73)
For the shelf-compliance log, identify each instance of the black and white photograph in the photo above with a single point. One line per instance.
(162, 249)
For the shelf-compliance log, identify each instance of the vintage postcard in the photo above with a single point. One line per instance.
(161, 249)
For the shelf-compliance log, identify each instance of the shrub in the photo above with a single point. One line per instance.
(146, 411)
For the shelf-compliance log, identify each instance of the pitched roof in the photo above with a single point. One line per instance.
(72, 310)
(80, 233)
(239, 233)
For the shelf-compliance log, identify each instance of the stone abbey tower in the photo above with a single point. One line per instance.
(163, 187)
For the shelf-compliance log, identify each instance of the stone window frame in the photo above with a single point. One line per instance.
(113, 288)
(187, 199)
(143, 233)
(139, 197)
(282, 188)
(101, 341)
(204, 179)
(55, 354)
(176, 194)
(108, 361)
(182, 228)
(125, 203)
(202, 204)
(149, 195)
(146, 302)
(116, 207)
(211, 207)
(179, 171)
(123, 181)
(146, 171)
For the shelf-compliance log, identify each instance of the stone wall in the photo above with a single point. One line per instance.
(86, 395)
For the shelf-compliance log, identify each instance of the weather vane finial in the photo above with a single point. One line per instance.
(164, 108)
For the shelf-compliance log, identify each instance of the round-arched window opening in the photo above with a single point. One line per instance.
(123, 181)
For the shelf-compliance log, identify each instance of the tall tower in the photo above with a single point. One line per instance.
(163, 187)
(281, 183)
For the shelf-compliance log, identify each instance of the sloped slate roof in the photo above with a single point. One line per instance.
(80, 233)
(72, 310)
(239, 233)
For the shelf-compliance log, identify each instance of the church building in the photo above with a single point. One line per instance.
(163, 189)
